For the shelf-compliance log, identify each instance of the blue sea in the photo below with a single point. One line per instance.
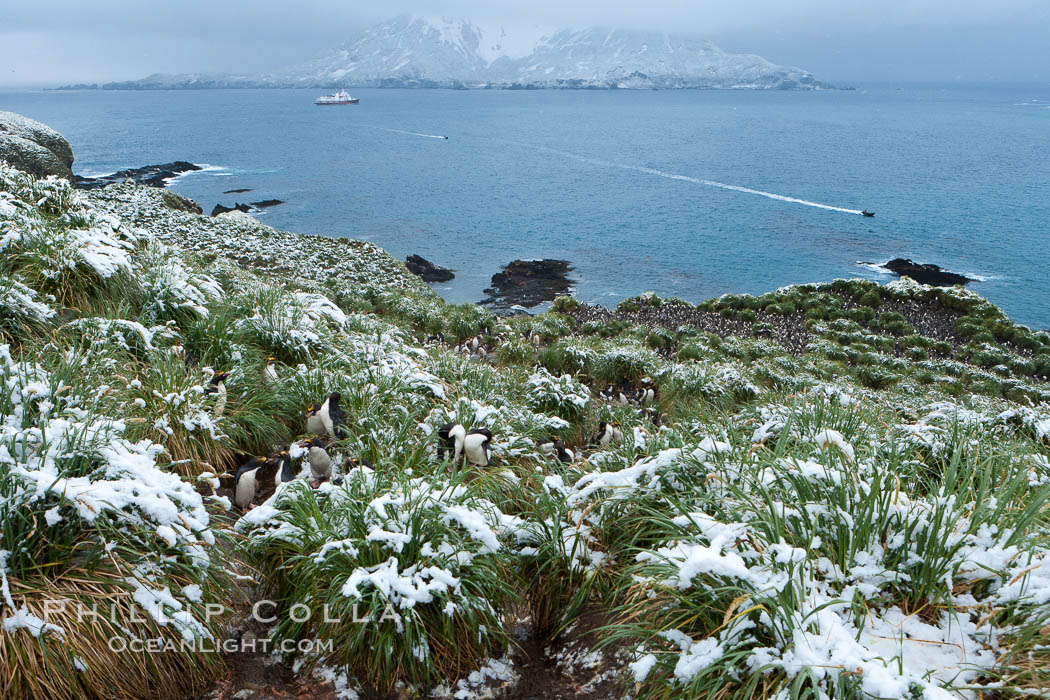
(686, 193)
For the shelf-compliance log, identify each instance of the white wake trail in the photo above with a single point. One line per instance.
(699, 181)
(748, 190)
(414, 133)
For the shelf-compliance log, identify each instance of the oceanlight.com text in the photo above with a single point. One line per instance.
(226, 646)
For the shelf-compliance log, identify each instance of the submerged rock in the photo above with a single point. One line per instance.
(925, 273)
(428, 271)
(152, 175)
(34, 147)
(528, 283)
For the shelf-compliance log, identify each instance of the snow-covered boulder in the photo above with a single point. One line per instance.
(34, 147)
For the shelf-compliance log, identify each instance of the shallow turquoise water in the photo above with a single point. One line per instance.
(958, 176)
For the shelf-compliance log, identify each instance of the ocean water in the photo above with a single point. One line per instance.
(686, 193)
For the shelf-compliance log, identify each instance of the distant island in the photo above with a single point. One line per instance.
(420, 52)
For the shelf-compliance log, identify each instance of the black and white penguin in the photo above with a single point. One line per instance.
(476, 446)
(451, 437)
(647, 394)
(320, 462)
(284, 472)
(607, 432)
(270, 371)
(555, 448)
(217, 386)
(326, 420)
(244, 483)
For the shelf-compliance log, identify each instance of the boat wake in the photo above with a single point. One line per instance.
(747, 190)
(698, 181)
(414, 133)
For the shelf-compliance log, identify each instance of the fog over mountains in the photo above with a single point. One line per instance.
(415, 51)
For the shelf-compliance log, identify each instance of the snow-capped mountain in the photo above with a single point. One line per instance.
(423, 51)
(426, 52)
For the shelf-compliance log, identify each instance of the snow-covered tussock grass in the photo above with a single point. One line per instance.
(837, 518)
(169, 285)
(20, 304)
(421, 561)
(71, 479)
(327, 264)
(836, 570)
(67, 257)
(386, 355)
(563, 396)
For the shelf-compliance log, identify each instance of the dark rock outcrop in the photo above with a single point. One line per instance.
(34, 147)
(267, 203)
(177, 202)
(152, 175)
(529, 283)
(220, 209)
(428, 271)
(925, 273)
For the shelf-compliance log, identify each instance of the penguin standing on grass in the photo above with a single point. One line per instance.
(320, 462)
(245, 484)
(607, 432)
(217, 386)
(326, 420)
(284, 472)
(452, 436)
(270, 371)
(476, 446)
(555, 448)
(647, 394)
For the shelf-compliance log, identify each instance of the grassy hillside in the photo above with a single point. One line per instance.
(836, 490)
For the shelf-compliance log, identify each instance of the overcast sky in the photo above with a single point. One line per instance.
(62, 41)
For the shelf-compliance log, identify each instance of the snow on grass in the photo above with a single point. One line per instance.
(865, 517)
(19, 302)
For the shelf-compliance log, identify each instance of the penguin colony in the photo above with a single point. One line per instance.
(326, 425)
(626, 395)
(789, 331)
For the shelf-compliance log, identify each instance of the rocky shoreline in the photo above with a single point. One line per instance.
(323, 262)
(150, 175)
(518, 286)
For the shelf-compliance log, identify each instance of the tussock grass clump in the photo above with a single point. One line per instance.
(88, 522)
(562, 396)
(556, 565)
(420, 559)
(57, 246)
(22, 312)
